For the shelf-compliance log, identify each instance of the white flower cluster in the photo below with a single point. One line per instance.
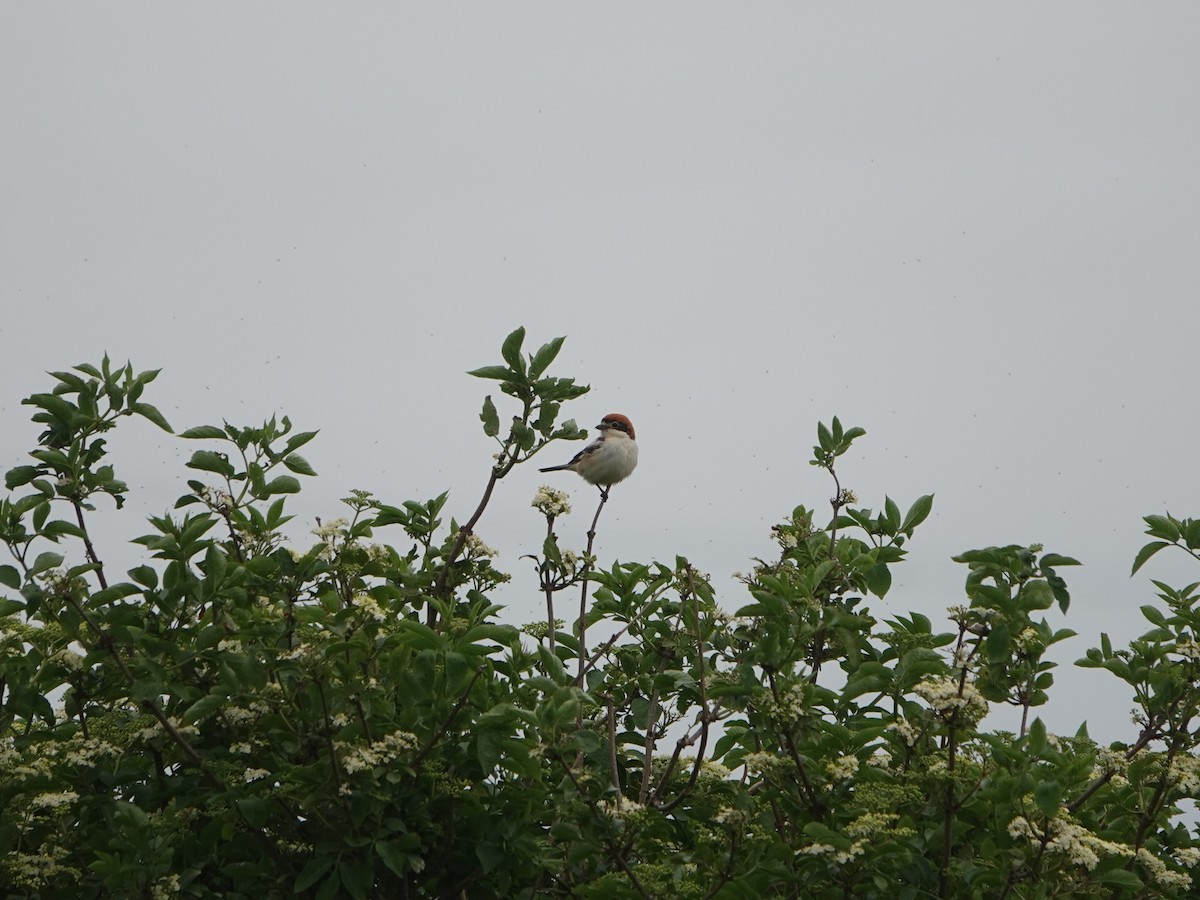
(70, 659)
(255, 774)
(165, 887)
(839, 857)
(945, 698)
(53, 800)
(477, 549)
(1188, 856)
(843, 768)
(880, 759)
(80, 751)
(1029, 641)
(216, 500)
(906, 731)
(1185, 772)
(383, 751)
(36, 870)
(1111, 760)
(331, 534)
(1188, 649)
(765, 763)
(1158, 871)
(238, 715)
(377, 553)
(790, 706)
(551, 501)
(369, 607)
(787, 540)
(1069, 839)
(734, 818)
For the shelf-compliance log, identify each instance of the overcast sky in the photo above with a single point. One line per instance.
(971, 231)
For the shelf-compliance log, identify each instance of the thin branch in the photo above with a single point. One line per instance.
(88, 548)
(585, 577)
(612, 749)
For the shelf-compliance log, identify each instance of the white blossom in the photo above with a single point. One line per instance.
(551, 501)
(945, 696)
(53, 800)
(842, 768)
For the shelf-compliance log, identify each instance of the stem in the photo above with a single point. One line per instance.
(439, 588)
(612, 749)
(583, 588)
(836, 503)
(548, 587)
(88, 548)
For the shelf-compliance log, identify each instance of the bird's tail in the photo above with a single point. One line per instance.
(555, 468)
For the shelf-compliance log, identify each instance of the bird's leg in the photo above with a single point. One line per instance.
(603, 493)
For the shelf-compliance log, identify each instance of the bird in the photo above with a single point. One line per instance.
(610, 458)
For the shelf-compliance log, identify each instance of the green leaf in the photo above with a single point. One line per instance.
(1057, 559)
(117, 591)
(917, 513)
(255, 810)
(489, 417)
(315, 868)
(879, 579)
(146, 411)
(59, 527)
(210, 461)
(20, 476)
(511, 351)
(496, 373)
(10, 577)
(1119, 878)
(298, 464)
(45, 562)
(387, 851)
(824, 438)
(545, 355)
(1163, 527)
(211, 432)
(204, 707)
(1145, 553)
(284, 484)
(1048, 797)
(1154, 615)
(296, 441)
(145, 576)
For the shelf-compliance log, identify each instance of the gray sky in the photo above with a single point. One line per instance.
(971, 231)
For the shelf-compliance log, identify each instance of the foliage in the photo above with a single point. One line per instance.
(244, 717)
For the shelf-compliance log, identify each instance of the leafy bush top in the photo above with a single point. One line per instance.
(243, 717)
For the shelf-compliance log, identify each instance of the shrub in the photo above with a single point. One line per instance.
(244, 717)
